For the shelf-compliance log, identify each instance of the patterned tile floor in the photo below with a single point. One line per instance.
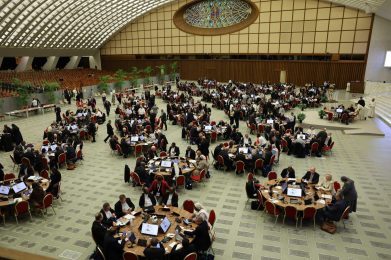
(241, 232)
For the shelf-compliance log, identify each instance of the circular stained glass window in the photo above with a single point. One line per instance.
(217, 13)
(214, 17)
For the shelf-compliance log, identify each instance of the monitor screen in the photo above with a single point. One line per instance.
(19, 187)
(149, 229)
(4, 190)
(208, 127)
(302, 137)
(270, 121)
(165, 225)
(339, 110)
(294, 192)
(165, 163)
(134, 139)
(243, 149)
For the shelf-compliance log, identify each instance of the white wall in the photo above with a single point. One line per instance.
(380, 43)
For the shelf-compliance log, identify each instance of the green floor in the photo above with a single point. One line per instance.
(241, 232)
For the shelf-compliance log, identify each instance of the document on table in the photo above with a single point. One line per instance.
(327, 196)
(322, 201)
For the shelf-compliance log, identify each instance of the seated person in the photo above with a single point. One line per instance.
(252, 188)
(311, 176)
(142, 173)
(146, 199)
(125, 148)
(71, 154)
(108, 215)
(171, 198)
(113, 246)
(201, 234)
(123, 206)
(190, 153)
(199, 210)
(37, 195)
(216, 151)
(288, 173)
(98, 230)
(326, 183)
(227, 160)
(333, 211)
(55, 179)
(155, 250)
(151, 153)
(159, 187)
(25, 172)
(201, 163)
(241, 157)
(179, 254)
(246, 140)
(173, 150)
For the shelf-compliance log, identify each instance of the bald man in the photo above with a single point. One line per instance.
(311, 176)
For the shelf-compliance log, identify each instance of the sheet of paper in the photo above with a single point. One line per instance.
(322, 201)
(327, 196)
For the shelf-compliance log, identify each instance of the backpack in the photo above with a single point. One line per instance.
(189, 186)
(126, 173)
(329, 227)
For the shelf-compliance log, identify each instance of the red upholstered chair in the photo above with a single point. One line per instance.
(272, 175)
(288, 131)
(345, 215)
(220, 162)
(284, 145)
(250, 176)
(136, 179)
(188, 205)
(191, 256)
(261, 128)
(180, 181)
(9, 177)
(258, 165)
(44, 174)
(327, 148)
(22, 207)
(45, 163)
(62, 158)
(129, 256)
(212, 217)
(271, 163)
(119, 149)
(45, 142)
(239, 167)
(15, 163)
(198, 178)
(138, 149)
(260, 199)
(225, 144)
(290, 212)
(213, 136)
(337, 186)
(314, 148)
(148, 128)
(271, 209)
(163, 154)
(330, 116)
(213, 123)
(308, 213)
(26, 162)
(46, 203)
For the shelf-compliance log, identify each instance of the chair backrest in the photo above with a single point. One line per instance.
(337, 186)
(163, 154)
(272, 175)
(345, 213)
(44, 174)
(45, 142)
(239, 165)
(250, 176)
(188, 205)
(9, 176)
(180, 180)
(138, 148)
(22, 207)
(309, 213)
(270, 208)
(260, 128)
(291, 212)
(191, 256)
(48, 200)
(213, 136)
(62, 157)
(314, 147)
(272, 160)
(284, 143)
(100, 252)
(330, 116)
(26, 161)
(331, 145)
(129, 256)
(220, 159)
(135, 177)
(202, 174)
(288, 131)
(212, 217)
(259, 164)
(260, 198)
(119, 149)
(13, 159)
(225, 144)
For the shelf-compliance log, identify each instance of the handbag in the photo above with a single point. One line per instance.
(329, 227)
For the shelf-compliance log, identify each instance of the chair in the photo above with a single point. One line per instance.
(9, 177)
(26, 162)
(258, 165)
(271, 209)
(213, 136)
(330, 116)
(288, 131)
(79, 156)
(22, 207)
(220, 162)
(45, 142)
(46, 203)
(2, 215)
(57, 191)
(251, 127)
(284, 145)
(163, 154)
(250, 176)
(138, 149)
(260, 199)
(272, 175)
(261, 128)
(212, 217)
(119, 150)
(337, 186)
(290, 212)
(83, 135)
(100, 252)
(180, 181)
(188, 205)
(62, 158)
(225, 144)
(45, 163)
(136, 179)
(198, 178)
(239, 167)
(308, 213)
(327, 148)
(15, 163)
(314, 148)
(345, 215)
(191, 256)
(129, 256)
(44, 174)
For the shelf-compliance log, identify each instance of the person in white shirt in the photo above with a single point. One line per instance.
(170, 198)
(326, 184)
(146, 199)
(141, 112)
(311, 131)
(246, 140)
(200, 211)
(371, 105)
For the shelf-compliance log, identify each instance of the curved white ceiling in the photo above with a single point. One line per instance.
(67, 24)
(83, 24)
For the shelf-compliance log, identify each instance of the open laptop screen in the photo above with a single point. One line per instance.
(4, 190)
(134, 139)
(165, 164)
(19, 187)
(165, 225)
(208, 127)
(243, 150)
(269, 121)
(294, 192)
(149, 229)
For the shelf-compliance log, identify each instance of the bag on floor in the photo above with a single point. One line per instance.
(126, 173)
(189, 186)
(329, 227)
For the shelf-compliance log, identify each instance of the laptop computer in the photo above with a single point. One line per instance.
(302, 137)
(208, 128)
(4, 190)
(149, 210)
(134, 139)
(19, 187)
(294, 192)
(270, 121)
(165, 225)
(243, 149)
(149, 229)
(165, 163)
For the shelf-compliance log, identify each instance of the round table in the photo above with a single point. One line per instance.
(283, 200)
(186, 166)
(172, 214)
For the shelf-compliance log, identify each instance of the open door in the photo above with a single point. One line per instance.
(283, 76)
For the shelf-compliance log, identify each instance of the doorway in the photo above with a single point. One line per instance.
(283, 76)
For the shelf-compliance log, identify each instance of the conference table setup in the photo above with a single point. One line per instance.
(171, 166)
(162, 222)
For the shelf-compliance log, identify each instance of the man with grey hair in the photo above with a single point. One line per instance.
(98, 230)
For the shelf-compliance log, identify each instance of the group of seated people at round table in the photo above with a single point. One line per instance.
(105, 230)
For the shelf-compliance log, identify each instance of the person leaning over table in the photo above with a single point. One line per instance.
(113, 246)
(55, 179)
(159, 187)
(311, 176)
(181, 253)
(173, 150)
(201, 234)
(108, 215)
(146, 199)
(349, 193)
(123, 206)
(154, 250)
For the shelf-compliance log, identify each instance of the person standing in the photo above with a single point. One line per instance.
(163, 119)
(371, 105)
(237, 117)
(107, 106)
(110, 131)
(92, 130)
(349, 193)
(58, 114)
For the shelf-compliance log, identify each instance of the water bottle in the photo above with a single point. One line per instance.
(176, 235)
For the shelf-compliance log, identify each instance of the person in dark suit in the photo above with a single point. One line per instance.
(288, 173)
(173, 150)
(190, 153)
(123, 206)
(349, 193)
(108, 215)
(241, 157)
(155, 250)
(98, 230)
(151, 153)
(109, 130)
(311, 176)
(201, 234)
(217, 150)
(170, 198)
(113, 247)
(146, 199)
(334, 211)
(204, 146)
(29, 154)
(55, 178)
(227, 161)
(179, 254)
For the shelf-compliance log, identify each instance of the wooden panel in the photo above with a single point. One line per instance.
(298, 72)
